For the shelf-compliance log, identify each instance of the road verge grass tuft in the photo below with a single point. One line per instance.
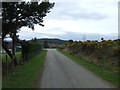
(25, 76)
(113, 79)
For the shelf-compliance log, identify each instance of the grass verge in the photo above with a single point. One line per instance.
(27, 75)
(113, 79)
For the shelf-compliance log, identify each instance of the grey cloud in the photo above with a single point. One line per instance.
(66, 11)
(86, 15)
(88, 36)
(75, 11)
(71, 35)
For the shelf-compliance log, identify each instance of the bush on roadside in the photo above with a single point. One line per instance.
(30, 49)
(104, 53)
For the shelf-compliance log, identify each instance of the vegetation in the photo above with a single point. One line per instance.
(100, 57)
(18, 14)
(27, 75)
(46, 45)
(28, 47)
(18, 56)
(29, 50)
(51, 41)
(95, 69)
(104, 54)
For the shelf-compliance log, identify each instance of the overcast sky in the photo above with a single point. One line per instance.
(76, 19)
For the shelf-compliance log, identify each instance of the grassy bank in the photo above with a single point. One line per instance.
(27, 75)
(103, 53)
(113, 79)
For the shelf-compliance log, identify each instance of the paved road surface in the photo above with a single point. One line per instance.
(62, 72)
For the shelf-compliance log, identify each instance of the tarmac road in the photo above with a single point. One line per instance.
(62, 72)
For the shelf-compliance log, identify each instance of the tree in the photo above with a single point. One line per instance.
(35, 39)
(46, 44)
(102, 39)
(70, 41)
(18, 14)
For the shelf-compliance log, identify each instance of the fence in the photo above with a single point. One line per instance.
(7, 62)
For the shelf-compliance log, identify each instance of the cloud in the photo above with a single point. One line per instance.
(79, 36)
(75, 10)
(70, 19)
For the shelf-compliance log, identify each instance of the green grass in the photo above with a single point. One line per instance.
(27, 75)
(113, 79)
(18, 55)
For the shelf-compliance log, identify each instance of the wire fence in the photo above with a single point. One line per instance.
(8, 63)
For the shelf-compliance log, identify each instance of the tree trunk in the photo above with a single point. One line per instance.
(13, 48)
(11, 54)
(7, 50)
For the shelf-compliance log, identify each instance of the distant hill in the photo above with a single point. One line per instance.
(52, 41)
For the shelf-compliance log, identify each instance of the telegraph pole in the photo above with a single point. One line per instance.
(84, 37)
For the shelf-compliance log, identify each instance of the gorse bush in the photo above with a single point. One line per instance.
(91, 46)
(104, 53)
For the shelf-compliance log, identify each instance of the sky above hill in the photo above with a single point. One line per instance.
(78, 20)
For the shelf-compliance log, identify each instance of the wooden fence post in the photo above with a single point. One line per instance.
(6, 64)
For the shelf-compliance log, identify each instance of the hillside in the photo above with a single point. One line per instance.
(51, 41)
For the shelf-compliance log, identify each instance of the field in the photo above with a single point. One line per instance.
(18, 56)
